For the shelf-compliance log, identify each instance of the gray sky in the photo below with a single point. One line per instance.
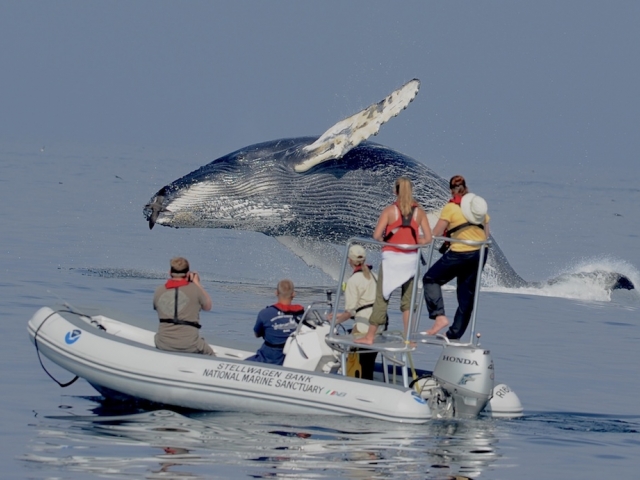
(504, 83)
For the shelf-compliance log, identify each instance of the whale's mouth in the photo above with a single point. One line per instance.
(155, 207)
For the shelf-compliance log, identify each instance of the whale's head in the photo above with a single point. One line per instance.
(234, 191)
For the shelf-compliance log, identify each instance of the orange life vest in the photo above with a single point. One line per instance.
(404, 230)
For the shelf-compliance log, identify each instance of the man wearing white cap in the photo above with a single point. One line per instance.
(359, 296)
(464, 217)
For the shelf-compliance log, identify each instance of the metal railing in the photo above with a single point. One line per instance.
(422, 265)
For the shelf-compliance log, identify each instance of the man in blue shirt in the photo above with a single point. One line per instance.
(275, 323)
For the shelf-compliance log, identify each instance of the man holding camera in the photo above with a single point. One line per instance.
(178, 303)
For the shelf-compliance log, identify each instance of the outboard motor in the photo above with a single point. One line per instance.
(465, 372)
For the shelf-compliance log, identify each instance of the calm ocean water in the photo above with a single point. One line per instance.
(73, 230)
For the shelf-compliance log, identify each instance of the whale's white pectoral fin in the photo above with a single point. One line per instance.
(350, 132)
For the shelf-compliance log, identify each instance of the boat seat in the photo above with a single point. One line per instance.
(306, 349)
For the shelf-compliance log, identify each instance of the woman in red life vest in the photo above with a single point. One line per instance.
(464, 217)
(403, 223)
(178, 303)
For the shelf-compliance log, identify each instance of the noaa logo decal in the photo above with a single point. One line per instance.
(72, 336)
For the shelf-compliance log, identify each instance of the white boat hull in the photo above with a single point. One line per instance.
(222, 383)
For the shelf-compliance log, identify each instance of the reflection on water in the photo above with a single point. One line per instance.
(167, 444)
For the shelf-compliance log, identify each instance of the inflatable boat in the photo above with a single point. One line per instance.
(117, 356)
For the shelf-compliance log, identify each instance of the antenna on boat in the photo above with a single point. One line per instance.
(62, 301)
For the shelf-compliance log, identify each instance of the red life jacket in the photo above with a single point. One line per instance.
(358, 268)
(289, 309)
(404, 230)
(176, 283)
(457, 199)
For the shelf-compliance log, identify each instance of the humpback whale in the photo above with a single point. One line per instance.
(311, 189)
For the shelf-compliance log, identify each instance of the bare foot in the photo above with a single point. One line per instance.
(440, 323)
(366, 340)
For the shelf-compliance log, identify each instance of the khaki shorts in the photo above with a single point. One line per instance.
(380, 306)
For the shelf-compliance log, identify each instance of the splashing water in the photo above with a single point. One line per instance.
(591, 279)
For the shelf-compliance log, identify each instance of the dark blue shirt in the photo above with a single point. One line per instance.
(275, 329)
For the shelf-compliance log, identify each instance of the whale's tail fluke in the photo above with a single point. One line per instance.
(623, 283)
(499, 271)
(608, 280)
(350, 132)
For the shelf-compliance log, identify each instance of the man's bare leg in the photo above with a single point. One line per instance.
(370, 336)
(441, 322)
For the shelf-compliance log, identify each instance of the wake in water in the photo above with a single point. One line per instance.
(584, 422)
(107, 272)
(591, 280)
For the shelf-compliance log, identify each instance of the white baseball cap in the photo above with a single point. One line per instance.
(357, 253)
